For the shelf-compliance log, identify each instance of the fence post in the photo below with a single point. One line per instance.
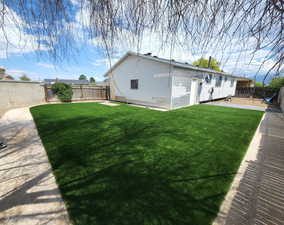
(82, 96)
(107, 92)
(45, 92)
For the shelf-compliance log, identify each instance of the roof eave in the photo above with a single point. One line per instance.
(118, 62)
(169, 62)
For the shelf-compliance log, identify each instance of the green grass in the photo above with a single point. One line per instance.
(129, 166)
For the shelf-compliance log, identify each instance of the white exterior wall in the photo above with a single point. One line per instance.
(204, 93)
(184, 89)
(154, 85)
(163, 85)
(221, 91)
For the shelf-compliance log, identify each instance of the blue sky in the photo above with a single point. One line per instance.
(38, 68)
(91, 61)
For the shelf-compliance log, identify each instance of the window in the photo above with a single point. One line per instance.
(219, 81)
(232, 82)
(208, 78)
(134, 84)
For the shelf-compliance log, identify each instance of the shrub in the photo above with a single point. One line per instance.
(258, 84)
(277, 83)
(63, 91)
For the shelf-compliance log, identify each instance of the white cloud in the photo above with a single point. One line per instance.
(13, 41)
(75, 2)
(236, 57)
(105, 62)
(16, 73)
(46, 65)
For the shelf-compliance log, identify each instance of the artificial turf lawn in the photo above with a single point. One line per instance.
(129, 166)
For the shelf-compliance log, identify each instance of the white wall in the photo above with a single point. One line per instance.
(281, 98)
(15, 94)
(219, 92)
(181, 91)
(155, 83)
(154, 86)
(184, 89)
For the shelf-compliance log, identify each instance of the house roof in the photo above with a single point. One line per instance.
(67, 81)
(9, 77)
(167, 61)
(6, 77)
(244, 79)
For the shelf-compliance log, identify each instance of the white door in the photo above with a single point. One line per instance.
(181, 88)
(194, 97)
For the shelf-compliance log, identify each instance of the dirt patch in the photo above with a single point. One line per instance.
(246, 101)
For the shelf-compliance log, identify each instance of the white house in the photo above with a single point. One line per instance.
(149, 80)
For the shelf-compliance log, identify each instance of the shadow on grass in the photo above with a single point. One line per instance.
(130, 171)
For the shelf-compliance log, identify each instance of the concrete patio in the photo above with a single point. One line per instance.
(234, 105)
(28, 191)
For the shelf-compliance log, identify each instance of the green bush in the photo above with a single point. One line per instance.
(276, 83)
(63, 91)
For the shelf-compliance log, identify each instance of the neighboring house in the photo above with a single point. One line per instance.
(244, 82)
(149, 80)
(102, 83)
(4, 76)
(49, 82)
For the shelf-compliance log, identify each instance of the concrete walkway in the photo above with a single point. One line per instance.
(257, 192)
(239, 106)
(28, 191)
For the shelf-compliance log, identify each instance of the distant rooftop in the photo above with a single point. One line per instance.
(4, 75)
(102, 83)
(244, 78)
(67, 81)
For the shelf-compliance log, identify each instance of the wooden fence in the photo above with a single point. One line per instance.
(255, 92)
(81, 93)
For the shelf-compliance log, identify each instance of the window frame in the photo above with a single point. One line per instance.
(219, 81)
(208, 78)
(134, 84)
(232, 82)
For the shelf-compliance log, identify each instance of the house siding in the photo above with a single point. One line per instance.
(164, 85)
(154, 82)
(221, 91)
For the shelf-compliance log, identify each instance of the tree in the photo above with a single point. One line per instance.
(276, 83)
(202, 62)
(82, 77)
(24, 77)
(92, 80)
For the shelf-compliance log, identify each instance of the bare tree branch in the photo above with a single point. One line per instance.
(194, 24)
